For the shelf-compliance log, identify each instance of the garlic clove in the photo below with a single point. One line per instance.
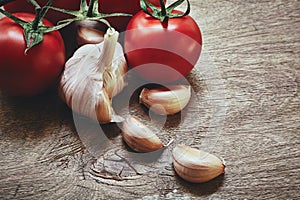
(139, 137)
(166, 101)
(104, 110)
(87, 35)
(109, 82)
(196, 166)
(114, 78)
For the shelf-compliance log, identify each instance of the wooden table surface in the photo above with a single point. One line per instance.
(245, 109)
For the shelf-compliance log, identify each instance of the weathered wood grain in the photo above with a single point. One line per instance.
(245, 108)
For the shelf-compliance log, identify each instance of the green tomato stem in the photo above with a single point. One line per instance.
(163, 8)
(34, 31)
(91, 7)
(14, 18)
(164, 13)
(37, 19)
(45, 9)
(35, 4)
(88, 12)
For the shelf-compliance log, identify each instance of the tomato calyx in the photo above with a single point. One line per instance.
(89, 12)
(164, 13)
(34, 31)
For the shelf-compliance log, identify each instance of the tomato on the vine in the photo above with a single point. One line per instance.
(33, 72)
(162, 48)
(52, 15)
(120, 6)
(105, 6)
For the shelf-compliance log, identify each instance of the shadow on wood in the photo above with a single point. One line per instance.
(202, 189)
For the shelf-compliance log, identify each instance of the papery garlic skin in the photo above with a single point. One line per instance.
(166, 101)
(139, 137)
(196, 166)
(82, 83)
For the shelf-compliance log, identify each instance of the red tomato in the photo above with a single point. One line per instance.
(31, 74)
(121, 6)
(162, 52)
(52, 15)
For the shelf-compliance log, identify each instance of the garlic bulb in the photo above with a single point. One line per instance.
(139, 137)
(166, 101)
(93, 76)
(196, 166)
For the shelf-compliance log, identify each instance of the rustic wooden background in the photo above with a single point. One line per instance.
(245, 109)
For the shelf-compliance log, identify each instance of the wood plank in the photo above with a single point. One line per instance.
(245, 108)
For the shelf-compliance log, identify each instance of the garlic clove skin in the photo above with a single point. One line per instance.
(87, 35)
(196, 166)
(166, 101)
(139, 137)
